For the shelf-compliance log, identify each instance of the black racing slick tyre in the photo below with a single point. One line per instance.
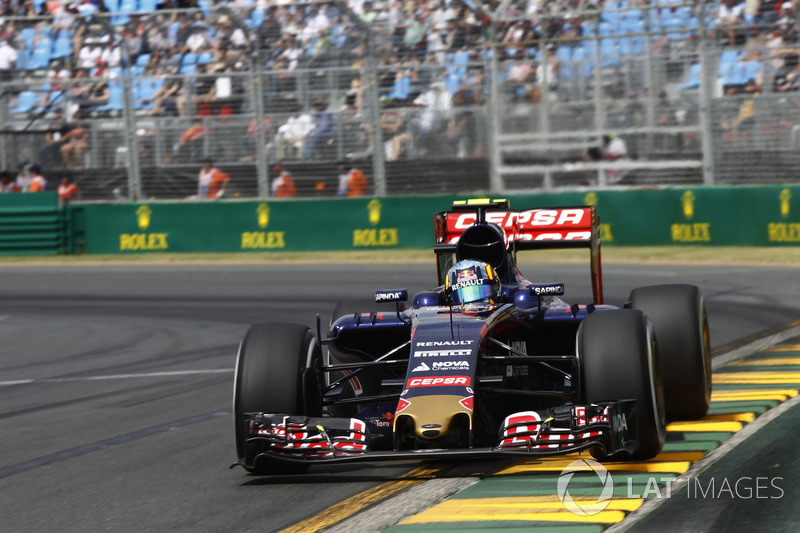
(679, 319)
(278, 370)
(619, 361)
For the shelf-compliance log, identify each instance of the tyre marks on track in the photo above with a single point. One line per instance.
(524, 495)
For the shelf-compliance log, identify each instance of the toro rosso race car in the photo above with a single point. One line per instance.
(486, 363)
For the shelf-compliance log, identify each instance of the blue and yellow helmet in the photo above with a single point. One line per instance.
(471, 281)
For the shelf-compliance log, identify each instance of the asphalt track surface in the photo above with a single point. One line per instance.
(116, 382)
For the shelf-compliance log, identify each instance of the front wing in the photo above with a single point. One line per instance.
(609, 426)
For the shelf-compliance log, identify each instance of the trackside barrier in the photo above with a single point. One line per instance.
(31, 224)
(721, 216)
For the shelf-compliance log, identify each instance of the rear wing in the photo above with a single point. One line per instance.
(529, 229)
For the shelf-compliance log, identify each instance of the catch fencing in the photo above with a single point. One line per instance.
(494, 114)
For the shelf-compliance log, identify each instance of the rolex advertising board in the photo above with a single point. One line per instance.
(724, 216)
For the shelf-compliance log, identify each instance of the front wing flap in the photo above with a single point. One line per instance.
(610, 426)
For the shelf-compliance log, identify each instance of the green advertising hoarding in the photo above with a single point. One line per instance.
(729, 216)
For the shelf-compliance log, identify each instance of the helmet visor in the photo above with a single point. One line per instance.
(484, 290)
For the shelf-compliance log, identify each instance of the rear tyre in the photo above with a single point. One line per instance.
(278, 370)
(679, 319)
(619, 361)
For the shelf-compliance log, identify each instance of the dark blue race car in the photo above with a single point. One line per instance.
(485, 363)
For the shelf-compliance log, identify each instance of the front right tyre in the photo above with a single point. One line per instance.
(619, 361)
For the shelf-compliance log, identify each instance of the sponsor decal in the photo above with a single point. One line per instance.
(391, 295)
(438, 382)
(263, 215)
(531, 218)
(431, 426)
(402, 404)
(364, 238)
(374, 209)
(565, 236)
(143, 241)
(263, 240)
(696, 232)
(468, 402)
(143, 214)
(450, 365)
(783, 232)
(513, 371)
(422, 367)
(687, 201)
(442, 353)
(467, 283)
(547, 290)
(428, 344)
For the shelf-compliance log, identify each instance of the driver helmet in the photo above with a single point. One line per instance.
(471, 281)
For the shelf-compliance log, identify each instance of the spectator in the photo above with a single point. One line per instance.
(615, 149)
(291, 136)
(190, 144)
(73, 148)
(168, 99)
(352, 181)
(56, 135)
(730, 15)
(396, 137)
(37, 182)
(211, 182)
(324, 130)
(461, 126)
(67, 190)
(283, 186)
(8, 60)
(7, 184)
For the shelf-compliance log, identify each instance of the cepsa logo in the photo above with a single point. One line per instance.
(438, 382)
(531, 218)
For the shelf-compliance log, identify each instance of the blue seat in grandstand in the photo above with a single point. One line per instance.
(145, 90)
(116, 97)
(148, 5)
(610, 53)
(28, 35)
(26, 102)
(62, 46)
(694, 77)
(675, 27)
(257, 17)
(204, 58)
(401, 89)
(143, 59)
(753, 69)
(40, 57)
(737, 75)
(461, 62)
(583, 59)
(112, 5)
(453, 81)
(564, 55)
(188, 63)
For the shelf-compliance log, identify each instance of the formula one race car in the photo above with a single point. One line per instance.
(486, 363)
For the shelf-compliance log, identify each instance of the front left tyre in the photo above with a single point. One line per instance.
(278, 370)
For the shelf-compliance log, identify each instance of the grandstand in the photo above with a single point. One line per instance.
(507, 96)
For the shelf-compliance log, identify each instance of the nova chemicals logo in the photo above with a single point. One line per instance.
(585, 507)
